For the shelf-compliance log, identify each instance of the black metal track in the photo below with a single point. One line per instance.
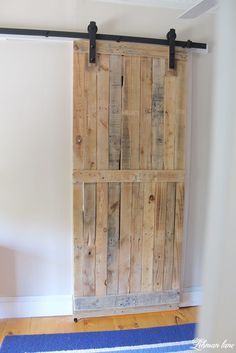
(109, 37)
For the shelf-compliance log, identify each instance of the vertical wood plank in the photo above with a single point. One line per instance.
(146, 114)
(90, 154)
(169, 236)
(78, 238)
(80, 109)
(158, 78)
(130, 113)
(113, 238)
(181, 112)
(102, 111)
(89, 261)
(114, 163)
(115, 112)
(125, 237)
(136, 238)
(169, 117)
(101, 238)
(148, 237)
(179, 215)
(159, 242)
(125, 132)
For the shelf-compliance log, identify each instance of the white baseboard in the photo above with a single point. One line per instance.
(61, 305)
(35, 306)
(191, 297)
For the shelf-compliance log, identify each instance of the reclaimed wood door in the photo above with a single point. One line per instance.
(129, 161)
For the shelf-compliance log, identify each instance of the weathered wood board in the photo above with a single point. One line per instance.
(129, 172)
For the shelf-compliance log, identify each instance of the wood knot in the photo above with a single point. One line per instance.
(151, 198)
(78, 139)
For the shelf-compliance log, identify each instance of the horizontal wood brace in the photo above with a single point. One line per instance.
(126, 300)
(136, 49)
(128, 176)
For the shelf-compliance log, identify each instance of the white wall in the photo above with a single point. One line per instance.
(35, 138)
(218, 312)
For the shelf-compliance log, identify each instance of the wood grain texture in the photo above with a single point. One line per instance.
(148, 237)
(114, 164)
(136, 237)
(158, 80)
(101, 238)
(130, 113)
(181, 115)
(65, 324)
(89, 255)
(80, 109)
(125, 238)
(90, 154)
(102, 111)
(169, 116)
(113, 238)
(130, 49)
(115, 112)
(179, 222)
(129, 161)
(159, 242)
(169, 236)
(126, 300)
(128, 176)
(146, 114)
(78, 215)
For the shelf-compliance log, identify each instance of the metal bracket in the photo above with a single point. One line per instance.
(171, 36)
(92, 30)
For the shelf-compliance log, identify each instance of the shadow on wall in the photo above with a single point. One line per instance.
(20, 272)
(8, 285)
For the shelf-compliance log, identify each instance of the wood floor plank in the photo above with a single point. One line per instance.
(62, 324)
(66, 324)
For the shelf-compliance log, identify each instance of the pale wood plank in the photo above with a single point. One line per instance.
(159, 241)
(127, 300)
(125, 237)
(115, 112)
(90, 155)
(101, 238)
(102, 163)
(130, 49)
(181, 115)
(130, 113)
(146, 114)
(148, 237)
(102, 111)
(179, 215)
(113, 238)
(158, 79)
(170, 122)
(136, 238)
(125, 310)
(78, 238)
(80, 109)
(125, 128)
(129, 176)
(169, 236)
(89, 257)
(114, 163)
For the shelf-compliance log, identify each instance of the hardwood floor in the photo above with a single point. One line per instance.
(66, 323)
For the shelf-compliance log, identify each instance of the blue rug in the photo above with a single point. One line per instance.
(150, 340)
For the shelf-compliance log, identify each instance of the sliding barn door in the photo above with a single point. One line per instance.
(129, 161)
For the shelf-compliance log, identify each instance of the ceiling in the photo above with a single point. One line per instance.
(171, 4)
